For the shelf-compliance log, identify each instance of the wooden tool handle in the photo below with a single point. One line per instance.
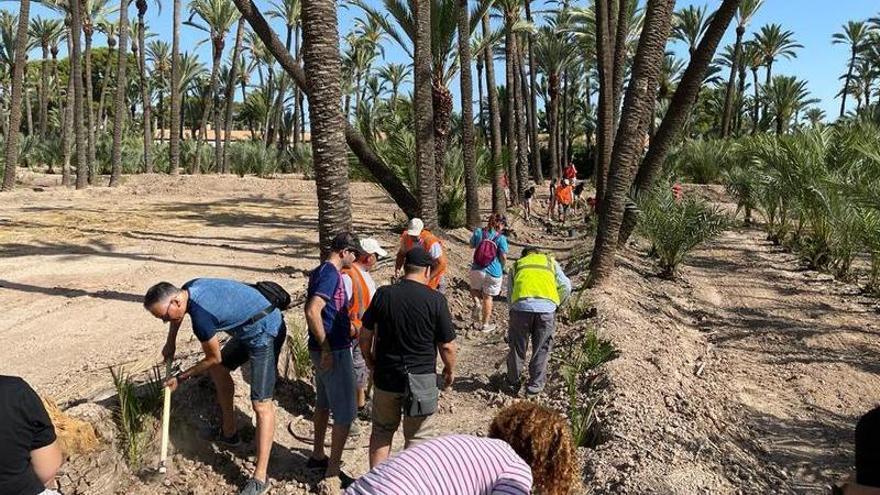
(166, 420)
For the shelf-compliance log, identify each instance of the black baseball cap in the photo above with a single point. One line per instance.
(344, 241)
(417, 256)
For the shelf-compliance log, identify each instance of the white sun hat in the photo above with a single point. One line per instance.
(415, 227)
(371, 246)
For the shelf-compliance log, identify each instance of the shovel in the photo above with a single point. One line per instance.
(166, 420)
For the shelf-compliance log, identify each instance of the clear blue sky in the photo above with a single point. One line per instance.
(813, 22)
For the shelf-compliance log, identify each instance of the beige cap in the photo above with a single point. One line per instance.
(415, 227)
(371, 246)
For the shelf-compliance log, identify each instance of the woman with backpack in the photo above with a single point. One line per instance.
(487, 269)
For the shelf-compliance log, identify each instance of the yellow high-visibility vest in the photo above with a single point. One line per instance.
(535, 276)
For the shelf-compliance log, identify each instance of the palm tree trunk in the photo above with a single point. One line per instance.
(101, 111)
(145, 89)
(535, 155)
(522, 136)
(89, 109)
(741, 95)
(553, 123)
(680, 108)
(66, 127)
(358, 145)
(640, 97)
(620, 31)
(215, 107)
(605, 117)
(230, 93)
(756, 104)
(322, 67)
(44, 91)
(175, 127)
(424, 113)
(731, 82)
(11, 151)
(510, 55)
(563, 139)
(471, 182)
(119, 97)
(28, 108)
(499, 205)
(482, 106)
(846, 83)
(767, 77)
(296, 92)
(82, 166)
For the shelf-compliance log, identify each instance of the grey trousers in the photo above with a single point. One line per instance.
(539, 328)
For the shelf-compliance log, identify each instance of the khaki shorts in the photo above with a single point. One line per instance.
(387, 413)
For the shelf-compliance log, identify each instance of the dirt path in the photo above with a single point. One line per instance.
(744, 376)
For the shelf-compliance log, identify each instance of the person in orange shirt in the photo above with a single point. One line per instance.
(564, 196)
(359, 289)
(417, 235)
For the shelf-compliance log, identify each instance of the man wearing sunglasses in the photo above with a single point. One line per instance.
(258, 333)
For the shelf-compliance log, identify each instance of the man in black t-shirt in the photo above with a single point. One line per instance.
(29, 455)
(405, 326)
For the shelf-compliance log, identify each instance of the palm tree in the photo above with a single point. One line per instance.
(854, 34)
(395, 75)
(680, 108)
(322, 68)
(424, 113)
(146, 102)
(21, 46)
(814, 116)
(119, 97)
(159, 55)
(785, 96)
(773, 43)
(45, 32)
(217, 18)
(638, 102)
(744, 14)
(499, 205)
(554, 51)
(691, 23)
(471, 183)
(92, 14)
(535, 154)
(82, 164)
(234, 64)
(290, 12)
(174, 128)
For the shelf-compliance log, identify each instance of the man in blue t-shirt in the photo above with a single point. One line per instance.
(485, 278)
(330, 342)
(258, 333)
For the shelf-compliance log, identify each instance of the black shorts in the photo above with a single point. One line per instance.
(264, 363)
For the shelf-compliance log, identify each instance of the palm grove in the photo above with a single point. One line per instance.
(594, 84)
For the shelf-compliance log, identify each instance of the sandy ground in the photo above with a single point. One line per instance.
(746, 375)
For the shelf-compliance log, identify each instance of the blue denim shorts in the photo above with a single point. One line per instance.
(263, 359)
(335, 388)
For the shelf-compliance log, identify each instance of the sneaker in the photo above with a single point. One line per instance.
(313, 463)
(532, 394)
(216, 435)
(255, 487)
(489, 328)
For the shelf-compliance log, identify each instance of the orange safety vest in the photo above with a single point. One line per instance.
(563, 195)
(427, 241)
(360, 297)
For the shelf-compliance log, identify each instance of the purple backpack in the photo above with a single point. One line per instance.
(486, 250)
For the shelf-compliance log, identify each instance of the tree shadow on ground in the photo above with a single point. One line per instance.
(71, 293)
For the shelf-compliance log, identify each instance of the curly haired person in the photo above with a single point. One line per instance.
(528, 450)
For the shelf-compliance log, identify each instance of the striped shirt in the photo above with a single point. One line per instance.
(450, 465)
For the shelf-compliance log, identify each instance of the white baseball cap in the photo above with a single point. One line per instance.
(415, 227)
(371, 246)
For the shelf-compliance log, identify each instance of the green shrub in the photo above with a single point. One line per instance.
(575, 370)
(742, 184)
(700, 161)
(675, 228)
(253, 158)
(298, 359)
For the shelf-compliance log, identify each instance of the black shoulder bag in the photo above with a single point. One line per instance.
(421, 394)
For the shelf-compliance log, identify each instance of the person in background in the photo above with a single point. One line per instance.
(551, 210)
(258, 334)
(866, 480)
(564, 197)
(528, 195)
(417, 235)
(528, 450)
(578, 194)
(29, 453)
(360, 287)
(330, 342)
(570, 172)
(404, 328)
(537, 287)
(490, 254)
